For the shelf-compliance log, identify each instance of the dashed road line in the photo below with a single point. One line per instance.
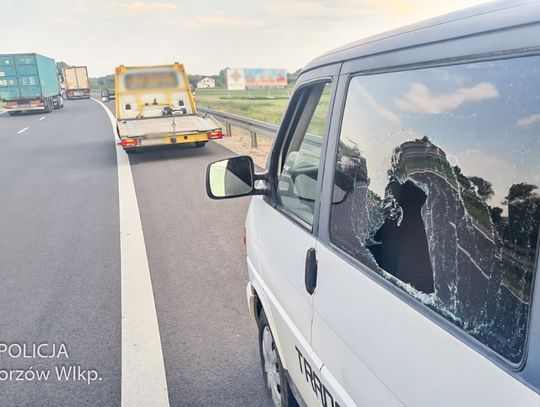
(143, 370)
(22, 130)
(42, 117)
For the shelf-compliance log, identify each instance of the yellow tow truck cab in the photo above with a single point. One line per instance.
(155, 106)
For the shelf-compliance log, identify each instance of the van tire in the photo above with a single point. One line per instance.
(200, 143)
(277, 386)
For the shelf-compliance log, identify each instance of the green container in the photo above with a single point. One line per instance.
(26, 76)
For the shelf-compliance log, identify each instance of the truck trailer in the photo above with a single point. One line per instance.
(77, 82)
(29, 82)
(155, 107)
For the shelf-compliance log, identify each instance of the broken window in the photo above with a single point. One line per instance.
(437, 173)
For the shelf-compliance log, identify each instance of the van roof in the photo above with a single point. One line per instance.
(492, 16)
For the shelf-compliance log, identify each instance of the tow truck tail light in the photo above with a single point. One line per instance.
(215, 135)
(129, 142)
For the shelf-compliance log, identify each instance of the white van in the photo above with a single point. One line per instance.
(392, 239)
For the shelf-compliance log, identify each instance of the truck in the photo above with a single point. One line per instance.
(29, 82)
(77, 82)
(155, 107)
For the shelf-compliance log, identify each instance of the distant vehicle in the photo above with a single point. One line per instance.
(155, 107)
(107, 95)
(77, 82)
(29, 82)
(392, 241)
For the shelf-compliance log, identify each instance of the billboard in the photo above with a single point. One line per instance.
(265, 78)
(235, 79)
(253, 78)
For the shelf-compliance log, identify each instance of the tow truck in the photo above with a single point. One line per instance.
(155, 107)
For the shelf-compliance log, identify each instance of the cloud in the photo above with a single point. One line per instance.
(421, 100)
(324, 10)
(141, 7)
(377, 108)
(229, 22)
(351, 9)
(527, 121)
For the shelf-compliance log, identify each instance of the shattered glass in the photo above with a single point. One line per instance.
(437, 170)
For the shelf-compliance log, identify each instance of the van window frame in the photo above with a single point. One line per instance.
(286, 131)
(514, 369)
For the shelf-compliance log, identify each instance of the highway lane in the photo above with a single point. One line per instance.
(198, 267)
(59, 253)
(196, 259)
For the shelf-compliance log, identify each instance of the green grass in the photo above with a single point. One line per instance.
(260, 104)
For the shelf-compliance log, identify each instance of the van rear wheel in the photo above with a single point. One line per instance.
(274, 374)
(200, 143)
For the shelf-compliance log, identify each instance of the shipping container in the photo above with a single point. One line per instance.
(29, 82)
(77, 82)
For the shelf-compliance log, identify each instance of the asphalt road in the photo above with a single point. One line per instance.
(60, 264)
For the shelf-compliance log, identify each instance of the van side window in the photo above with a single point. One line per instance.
(297, 180)
(436, 190)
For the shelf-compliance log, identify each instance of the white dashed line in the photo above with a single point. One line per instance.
(22, 131)
(42, 117)
(143, 371)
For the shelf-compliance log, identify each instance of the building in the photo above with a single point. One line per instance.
(206, 83)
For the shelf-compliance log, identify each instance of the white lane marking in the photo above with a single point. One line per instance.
(3, 111)
(22, 130)
(42, 117)
(143, 371)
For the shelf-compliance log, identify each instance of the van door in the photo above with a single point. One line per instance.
(284, 236)
(428, 249)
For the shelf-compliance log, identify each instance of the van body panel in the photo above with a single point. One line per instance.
(490, 45)
(279, 282)
(419, 363)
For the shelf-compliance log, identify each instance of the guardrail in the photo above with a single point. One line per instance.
(254, 126)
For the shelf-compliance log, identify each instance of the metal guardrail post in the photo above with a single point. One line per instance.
(253, 139)
(228, 129)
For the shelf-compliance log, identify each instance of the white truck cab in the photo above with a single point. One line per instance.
(392, 239)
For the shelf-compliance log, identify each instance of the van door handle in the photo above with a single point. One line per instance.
(310, 277)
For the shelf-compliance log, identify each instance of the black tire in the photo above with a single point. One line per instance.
(14, 113)
(48, 107)
(283, 391)
(200, 143)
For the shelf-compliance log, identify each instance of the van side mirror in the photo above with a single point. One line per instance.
(230, 178)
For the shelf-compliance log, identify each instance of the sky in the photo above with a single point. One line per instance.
(485, 117)
(204, 35)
